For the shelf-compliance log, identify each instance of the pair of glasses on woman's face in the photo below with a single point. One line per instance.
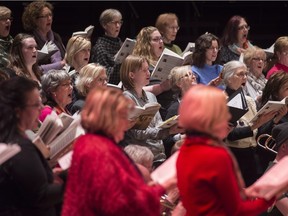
(240, 28)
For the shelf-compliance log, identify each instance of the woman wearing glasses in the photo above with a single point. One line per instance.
(107, 46)
(241, 139)
(37, 19)
(255, 59)
(204, 56)
(5, 38)
(168, 26)
(149, 44)
(27, 183)
(234, 40)
(56, 92)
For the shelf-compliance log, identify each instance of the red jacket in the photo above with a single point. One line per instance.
(208, 184)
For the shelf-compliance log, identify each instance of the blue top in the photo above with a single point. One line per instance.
(207, 73)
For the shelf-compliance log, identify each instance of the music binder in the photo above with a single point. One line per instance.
(237, 105)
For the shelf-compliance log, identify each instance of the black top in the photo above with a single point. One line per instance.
(26, 184)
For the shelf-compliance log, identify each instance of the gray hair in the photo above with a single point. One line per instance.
(229, 69)
(139, 154)
(108, 15)
(52, 79)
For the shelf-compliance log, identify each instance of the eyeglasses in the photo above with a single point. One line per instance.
(66, 85)
(6, 19)
(45, 16)
(259, 59)
(117, 22)
(157, 39)
(102, 80)
(242, 74)
(188, 74)
(173, 28)
(240, 28)
(216, 49)
(36, 105)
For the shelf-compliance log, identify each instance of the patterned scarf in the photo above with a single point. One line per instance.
(257, 83)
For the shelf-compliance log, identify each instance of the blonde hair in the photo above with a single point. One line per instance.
(75, 45)
(143, 45)
(176, 74)
(131, 64)
(281, 44)
(4, 11)
(202, 108)
(103, 109)
(86, 76)
(250, 52)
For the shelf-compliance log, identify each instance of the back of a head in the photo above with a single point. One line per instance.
(139, 154)
(103, 109)
(201, 108)
(280, 135)
(275, 83)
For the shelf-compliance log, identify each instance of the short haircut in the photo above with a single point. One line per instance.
(281, 44)
(164, 20)
(103, 109)
(4, 12)
(139, 154)
(250, 52)
(51, 80)
(108, 15)
(86, 76)
(131, 64)
(75, 45)
(201, 108)
(229, 69)
(176, 74)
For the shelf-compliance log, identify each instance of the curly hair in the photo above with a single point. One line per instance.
(143, 45)
(202, 43)
(32, 12)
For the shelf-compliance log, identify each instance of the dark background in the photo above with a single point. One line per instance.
(268, 20)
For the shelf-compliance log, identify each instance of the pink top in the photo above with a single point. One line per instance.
(276, 68)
